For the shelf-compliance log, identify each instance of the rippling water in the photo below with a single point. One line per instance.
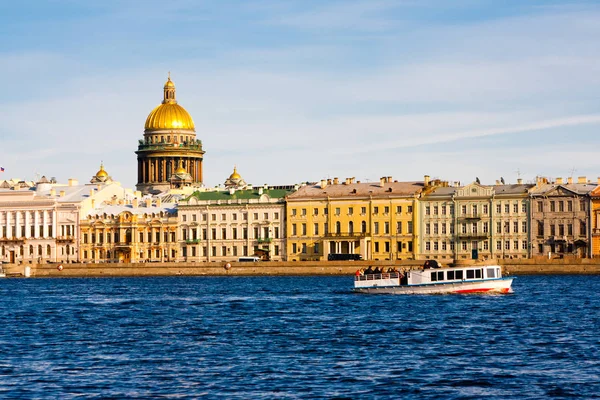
(295, 337)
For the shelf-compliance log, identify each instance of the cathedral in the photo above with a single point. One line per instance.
(169, 156)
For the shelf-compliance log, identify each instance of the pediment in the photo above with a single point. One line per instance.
(560, 191)
(475, 190)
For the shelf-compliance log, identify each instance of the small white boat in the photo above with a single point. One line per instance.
(466, 279)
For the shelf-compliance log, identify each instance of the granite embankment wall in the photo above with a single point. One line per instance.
(513, 267)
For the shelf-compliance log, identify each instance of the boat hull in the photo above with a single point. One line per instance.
(496, 286)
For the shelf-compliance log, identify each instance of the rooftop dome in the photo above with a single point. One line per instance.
(169, 114)
(235, 174)
(101, 173)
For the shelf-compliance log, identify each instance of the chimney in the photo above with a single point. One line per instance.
(497, 182)
(329, 181)
(148, 202)
(559, 181)
(73, 182)
(52, 192)
(520, 181)
(324, 183)
(382, 181)
(135, 202)
(426, 180)
(91, 192)
(158, 202)
(389, 179)
(336, 181)
(570, 180)
(581, 179)
(62, 193)
(347, 181)
(353, 179)
(599, 180)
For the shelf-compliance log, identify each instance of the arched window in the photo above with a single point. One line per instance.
(22, 251)
(40, 251)
(31, 250)
(364, 227)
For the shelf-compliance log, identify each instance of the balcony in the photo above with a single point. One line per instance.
(142, 146)
(193, 241)
(65, 239)
(345, 234)
(13, 240)
(471, 235)
(470, 216)
(264, 240)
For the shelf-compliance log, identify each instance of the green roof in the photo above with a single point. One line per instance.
(240, 194)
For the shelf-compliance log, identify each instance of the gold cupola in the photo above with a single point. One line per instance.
(169, 115)
(235, 174)
(101, 173)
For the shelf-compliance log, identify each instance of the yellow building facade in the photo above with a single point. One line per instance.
(595, 221)
(376, 220)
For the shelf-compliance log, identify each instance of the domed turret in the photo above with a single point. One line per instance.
(101, 176)
(169, 115)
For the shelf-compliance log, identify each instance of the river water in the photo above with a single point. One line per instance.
(295, 337)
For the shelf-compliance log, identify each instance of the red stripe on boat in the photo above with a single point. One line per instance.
(474, 290)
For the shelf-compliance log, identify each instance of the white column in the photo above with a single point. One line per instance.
(36, 221)
(45, 230)
(27, 224)
(54, 223)
(17, 225)
(8, 229)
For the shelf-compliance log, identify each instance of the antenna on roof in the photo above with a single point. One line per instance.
(572, 171)
(518, 171)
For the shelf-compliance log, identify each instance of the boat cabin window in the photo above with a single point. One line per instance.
(491, 272)
(470, 274)
(437, 276)
(450, 275)
(478, 273)
(459, 274)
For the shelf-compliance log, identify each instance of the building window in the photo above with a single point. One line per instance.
(293, 211)
(524, 227)
(540, 206)
(569, 206)
(376, 228)
(337, 211)
(316, 248)
(485, 209)
(552, 206)
(303, 248)
(507, 208)
(294, 248)
(363, 211)
(582, 228)
(294, 232)
(524, 244)
(498, 245)
(398, 209)
(463, 245)
(540, 228)
(463, 210)
(515, 227)
(399, 227)
(387, 247)
(507, 245)
(363, 227)
(386, 210)
(350, 210)
(409, 209)
(435, 210)
(463, 228)
(303, 213)
(303, 229)
(409, 227)
(184, 218)
(315, 211)
(516, 208)
(435, 229)
(375, 210)
(444, 209)
(561, 206)
(338, 227)
(427, 210)
(316, 229)
(376, 247)
(427, 229)
(498, 208)
(386, 228)
(444, 228)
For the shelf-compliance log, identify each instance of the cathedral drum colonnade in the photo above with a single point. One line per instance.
(169, 155)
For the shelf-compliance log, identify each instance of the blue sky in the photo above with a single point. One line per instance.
(291, 91)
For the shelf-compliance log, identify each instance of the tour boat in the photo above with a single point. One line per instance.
(436, 280)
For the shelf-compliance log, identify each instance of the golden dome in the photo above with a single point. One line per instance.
(180, 170)
(169, 84)
(101, 173)
(235, 174)
(169, 114)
